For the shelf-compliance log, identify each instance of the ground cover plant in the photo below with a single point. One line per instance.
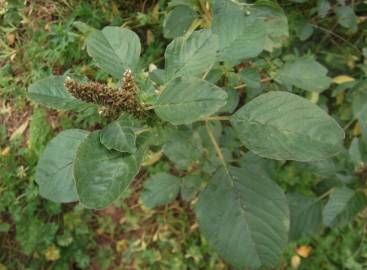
(247, 121)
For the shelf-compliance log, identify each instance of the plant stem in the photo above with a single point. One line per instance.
(327, 193)
(216, 147)
(216, 118)
(335, 35)
(244, 85)
(207, 71)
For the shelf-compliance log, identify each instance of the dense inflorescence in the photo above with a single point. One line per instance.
(112, 101)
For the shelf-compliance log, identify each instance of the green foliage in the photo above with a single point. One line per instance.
(178, 21)
(238, 210)
(160, 189)
(101, 175)
(305, 215)
(283, 126)
(182, 102)
(304, 73)
(240, 36)
(190, 56)
(120, 136)
(114, 49)
(344, 204)
(218, 104)
(51, 92)
(54, 172)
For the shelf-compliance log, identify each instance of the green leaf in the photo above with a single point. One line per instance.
(355, 153)
(190, 186)
(323, 8)
(51, 92)
(303, 29)
(244, 215)
(186, 100)
(306, 216)
(344, 203)
(233, 98)
(54, 172)
(251, 77)
(284, 126)
(160, 189)
(184, 150)
(114, 49)
(101, 175)
(346, 17)
(304, 73)
(119, 136)
(191, 55)
(240, 36)
(275, 23)
(178, 21)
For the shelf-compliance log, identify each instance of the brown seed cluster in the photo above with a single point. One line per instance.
(112, 101)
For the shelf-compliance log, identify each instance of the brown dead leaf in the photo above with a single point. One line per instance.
(20, 130)
(150, 37)
(121, 245)
(10, 38)
(5, 151)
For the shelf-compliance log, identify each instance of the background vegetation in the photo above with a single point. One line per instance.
(40, 38)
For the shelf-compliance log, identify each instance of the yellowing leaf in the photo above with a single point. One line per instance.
(20, 130)
(357, 129)
(10, 38)
(52, 253)
(304, 251)
(4, 152)
(121, 245)
(342, 79)
(315, 96)
(295, 261)
(152, 158)
(340, 98)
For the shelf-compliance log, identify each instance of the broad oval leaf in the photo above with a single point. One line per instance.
(191, 55)
(51, 92)
(240, 36)
(347, 17)
(101, 175)
(304, 73)
(114, 49)
(244, 215)
(160, 189)
(188, 99)
(119, 136)
(275, 23)
(54, 172)
(184, 149)
(178, 21)
(344, 203)
(284, 126)
(305, 215)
